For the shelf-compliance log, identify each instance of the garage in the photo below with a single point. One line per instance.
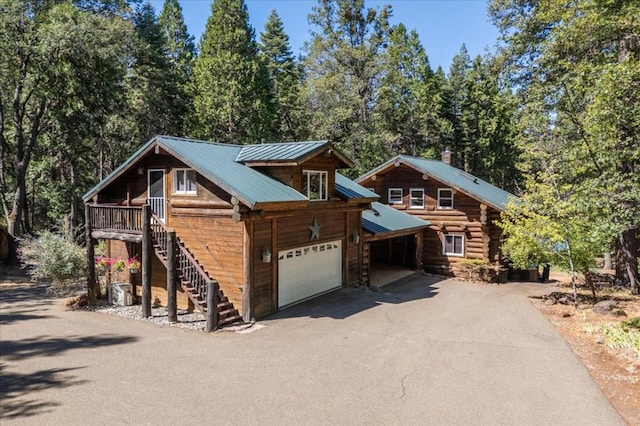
(307, 271)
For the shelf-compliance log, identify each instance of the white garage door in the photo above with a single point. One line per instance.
(307, 271)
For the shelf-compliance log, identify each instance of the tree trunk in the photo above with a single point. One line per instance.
(627, 260)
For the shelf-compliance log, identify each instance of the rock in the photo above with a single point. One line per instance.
(566, 315)
(604, 307)
(550, 301)
(618, 313)
(600, 340)
(564, 300)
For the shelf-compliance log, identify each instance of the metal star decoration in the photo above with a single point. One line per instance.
(315, 230)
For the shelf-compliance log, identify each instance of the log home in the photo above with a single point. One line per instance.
(461, 209)
(247, 229)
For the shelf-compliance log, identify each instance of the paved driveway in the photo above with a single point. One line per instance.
(423, 352)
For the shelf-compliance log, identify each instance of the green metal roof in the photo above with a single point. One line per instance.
(383, 219)
(218, 163)
(289, 151)
(455, 178)
(348, 189)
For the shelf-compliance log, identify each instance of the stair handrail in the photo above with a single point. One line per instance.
(184, 261)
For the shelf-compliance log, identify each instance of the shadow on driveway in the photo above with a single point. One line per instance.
(14, 387)
(348, 301)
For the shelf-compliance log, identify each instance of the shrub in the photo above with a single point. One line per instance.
(54, 257)
(478, 269)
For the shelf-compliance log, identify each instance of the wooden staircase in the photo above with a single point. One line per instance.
(192, 277)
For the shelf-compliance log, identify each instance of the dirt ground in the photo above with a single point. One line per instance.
(617, 372)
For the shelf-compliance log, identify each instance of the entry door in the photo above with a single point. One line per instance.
(308, 271)
(156, 192)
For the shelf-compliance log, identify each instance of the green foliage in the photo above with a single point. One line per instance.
(288, 109)
(342, 69)
(575, 65)
(230, 86)
(54, 257)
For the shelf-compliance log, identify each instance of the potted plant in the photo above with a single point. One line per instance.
(133, 265)
(103, 263)
(119, 265)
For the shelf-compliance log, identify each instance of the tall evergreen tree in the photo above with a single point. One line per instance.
(343, 70)
(409, 98)
(456, 96)
(486, 123)
(229, 84)
(154, 92)
(286, 81)
(180, 50)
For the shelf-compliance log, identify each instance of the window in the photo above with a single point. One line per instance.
(453, 245)
(395, 195)
(184, 181)
(445, 198)
(314, 185)
(416, 198)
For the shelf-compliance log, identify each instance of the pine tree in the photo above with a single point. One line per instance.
(342, 71)
(486, 123)
(180, 51)
(456, 88)
(154, 93)
(285, 74)
(230, 86)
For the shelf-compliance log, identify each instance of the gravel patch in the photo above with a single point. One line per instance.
(159, 315)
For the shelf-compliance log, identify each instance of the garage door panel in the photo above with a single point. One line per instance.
(308, 271)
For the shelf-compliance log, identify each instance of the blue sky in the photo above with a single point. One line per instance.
(443, 25)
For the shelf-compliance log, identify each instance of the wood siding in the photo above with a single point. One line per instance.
(217, 244)
(292, 230)
(119, 249)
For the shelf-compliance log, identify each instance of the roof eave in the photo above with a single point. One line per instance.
(119, 171)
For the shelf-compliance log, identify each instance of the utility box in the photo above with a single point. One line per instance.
(121, 294)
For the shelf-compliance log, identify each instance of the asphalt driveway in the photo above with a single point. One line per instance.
(421, 352)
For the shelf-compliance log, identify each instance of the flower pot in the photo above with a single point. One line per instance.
(134, 270)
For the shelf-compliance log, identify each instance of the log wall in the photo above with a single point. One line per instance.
(482, 240)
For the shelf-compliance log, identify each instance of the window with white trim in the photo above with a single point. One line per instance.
(453, 245)
(445, 198)
(314, 185)
(416, 198)
(184, 181)
(395, 195)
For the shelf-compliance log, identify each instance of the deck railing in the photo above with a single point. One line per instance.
(116, 218)
(186, 264)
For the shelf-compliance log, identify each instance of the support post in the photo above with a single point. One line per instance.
(91, 262)
(212, 305)
(147, 248)
(172, 305)
(247, 297)
(419, 239)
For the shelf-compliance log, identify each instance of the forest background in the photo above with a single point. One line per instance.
(552, 115)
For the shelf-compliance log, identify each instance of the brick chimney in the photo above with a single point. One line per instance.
(446, 156)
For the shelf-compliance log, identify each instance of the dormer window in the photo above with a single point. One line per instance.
(314, 185)
(395, 196)
(184, 181)
(445, 198)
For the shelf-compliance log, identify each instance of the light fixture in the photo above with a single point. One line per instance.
(266, 255)
(355, 238)
(140, 171)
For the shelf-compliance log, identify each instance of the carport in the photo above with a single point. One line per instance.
(392, 243)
